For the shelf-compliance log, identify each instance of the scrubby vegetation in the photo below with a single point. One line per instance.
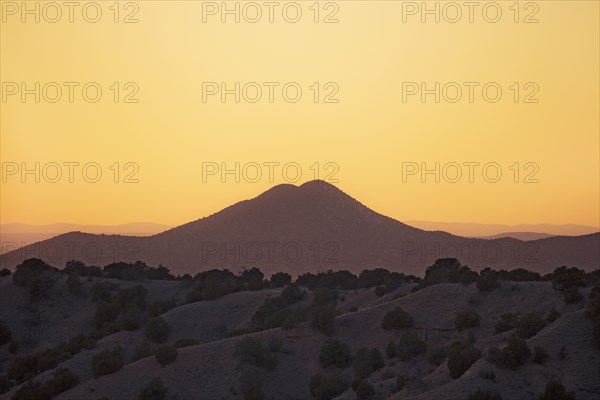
(556, 391)
(484, 394)
(572, 295)
(5, 333)
(157, 330)
(323, 317)
(251, 385)
(552, 315)
(467, 319)
(364, 389)
(142, 350)
(437, 355)
(539, 355)
(255, 353)
(396, 319)
(461, 355)
(366, 362)
(593, 311)
(154, 390)
(25, 368)
(323, 387)
(122, 312)
(108, 361)
(529, 325)
(335, 352)
(410, 345)
(514, 354)
(165, 355)
(391, 350)
(281, 279)
(36, 276)
(275, 311)
(488, 280)
(159, 307)
(62, 381)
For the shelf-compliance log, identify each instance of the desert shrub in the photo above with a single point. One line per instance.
(105, 312)
(353, 309)
(484, 394)
(379, 291)
(396, 319)
(364, 390)
(335, 352)
(488, 280)
(400, 382)
(25, 368)
(564, 278)
(539, 355)
(529, 325)
(572, 295)
(5, 384)
(519, 275)
(130, 320)
(142, 350)
(62, 381)
(515, 353)
(281, 279)
(80, 342)
(185, 343)
(274, 312)
(366, 362)
(159, 307)
(552, 315)
(593, 311)
(73, 282)
(323, 295)
(275, 343)
(154, 390)
(556, 391)
(461, 355)
(13, 346)
(436, 355)
(467, 319)
(28, 269)
(101, 291)
(447, 270)
(563, 353)
(506, 322)
(324, 387)
(387, 374)
(165, 355)
(193, 296)
(5, 333)
(324, 318)
(157, 330)
(251, 385)
(391, 351)
(253, 352)
(489, 375)
(410, 345)
(5, 272)
(108, 361)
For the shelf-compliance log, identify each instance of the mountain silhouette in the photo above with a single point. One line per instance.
(308, 228)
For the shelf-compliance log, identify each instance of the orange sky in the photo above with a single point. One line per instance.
(366, 61)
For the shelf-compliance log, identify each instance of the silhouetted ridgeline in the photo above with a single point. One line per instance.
(310, 228)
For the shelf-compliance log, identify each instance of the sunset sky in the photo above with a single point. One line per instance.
(366, 136)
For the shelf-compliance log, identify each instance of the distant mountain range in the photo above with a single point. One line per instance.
(311, 227)
(521, 231)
